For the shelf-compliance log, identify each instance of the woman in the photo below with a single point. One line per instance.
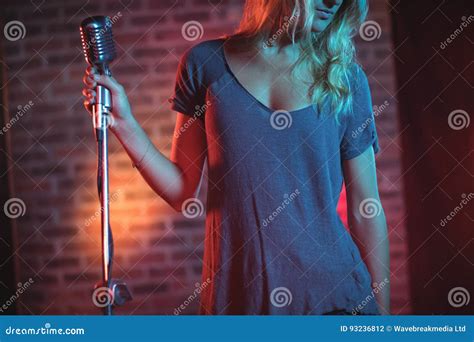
(283, 115)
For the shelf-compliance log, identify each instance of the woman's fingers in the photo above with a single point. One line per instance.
(90, 98)
(108, 82)
(88, 78)
(91, 70)
(92, 78)
(89, 93)
(89, 81)
(88, 106)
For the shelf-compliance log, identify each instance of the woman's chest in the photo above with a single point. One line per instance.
(239, 128)
(275, 88)
(272, 82)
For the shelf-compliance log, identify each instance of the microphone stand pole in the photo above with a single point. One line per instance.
(101, 121)
(114, 291)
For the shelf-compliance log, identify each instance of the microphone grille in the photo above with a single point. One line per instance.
(97, 40)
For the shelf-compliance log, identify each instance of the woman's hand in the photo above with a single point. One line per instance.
(121, 111)
(175, 180)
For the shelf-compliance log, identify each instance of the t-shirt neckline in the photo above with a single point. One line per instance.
(249, 94)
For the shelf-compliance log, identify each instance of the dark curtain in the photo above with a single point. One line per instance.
(433, 51)
(8, 287)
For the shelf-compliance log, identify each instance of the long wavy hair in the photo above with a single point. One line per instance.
(329, 54)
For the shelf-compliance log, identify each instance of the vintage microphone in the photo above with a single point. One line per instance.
(99, 51)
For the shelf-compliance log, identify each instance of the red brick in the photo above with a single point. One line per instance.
(149, 44)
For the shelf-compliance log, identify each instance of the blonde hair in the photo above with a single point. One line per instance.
(329, 54)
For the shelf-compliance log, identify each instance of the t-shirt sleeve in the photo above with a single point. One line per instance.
(189, 91)
(360, 131)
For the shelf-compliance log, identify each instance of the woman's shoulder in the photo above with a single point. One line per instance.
(205, 58)
(206, 50)
(357, 76)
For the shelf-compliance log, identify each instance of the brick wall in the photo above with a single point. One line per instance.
(53, 159)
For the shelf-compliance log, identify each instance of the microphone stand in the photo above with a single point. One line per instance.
(100, 116)
(114, 292)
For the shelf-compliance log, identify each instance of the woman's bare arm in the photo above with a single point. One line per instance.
(368, 227)
(174, 179)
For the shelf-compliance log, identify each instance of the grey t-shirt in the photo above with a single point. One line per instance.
(274, 242)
